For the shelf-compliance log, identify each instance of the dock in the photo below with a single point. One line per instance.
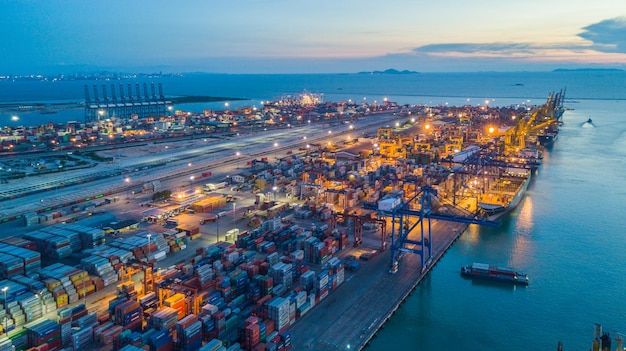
(351, 316)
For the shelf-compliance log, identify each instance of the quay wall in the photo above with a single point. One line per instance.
(437, 255)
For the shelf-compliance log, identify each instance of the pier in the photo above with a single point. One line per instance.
(351, 316)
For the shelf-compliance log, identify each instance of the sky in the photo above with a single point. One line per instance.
(294, 36)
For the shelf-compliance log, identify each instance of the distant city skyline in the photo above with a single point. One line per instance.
(286, 36)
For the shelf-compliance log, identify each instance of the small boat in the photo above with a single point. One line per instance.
(495, 273)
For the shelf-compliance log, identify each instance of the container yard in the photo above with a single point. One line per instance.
(316, 254)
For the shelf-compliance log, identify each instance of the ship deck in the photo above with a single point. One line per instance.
(502, 192)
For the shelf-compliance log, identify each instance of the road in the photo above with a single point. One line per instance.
(167, 161)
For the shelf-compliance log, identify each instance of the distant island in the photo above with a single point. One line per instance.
(588, 70)
(390, 71)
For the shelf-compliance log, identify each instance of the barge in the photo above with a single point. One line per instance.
(495, 273)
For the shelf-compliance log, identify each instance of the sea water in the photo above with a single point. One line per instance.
(568, 234)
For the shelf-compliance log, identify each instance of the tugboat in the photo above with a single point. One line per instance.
(495, 273)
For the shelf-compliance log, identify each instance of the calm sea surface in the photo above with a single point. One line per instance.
(568, 234)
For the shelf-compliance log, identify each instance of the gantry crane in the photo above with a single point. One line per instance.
(192, 302)
(128, 270)
(358, 220)
(419, 206)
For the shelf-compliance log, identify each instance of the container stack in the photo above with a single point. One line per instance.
(100, 266)
(45, 332)
(89, 237)
(129, 315)
(189, 333)
(12, 314)
(72, 236)
(82, 337)
(177, 242)
(62, 279)
(165, 318)
(140, 247)
(213, 345)
(50, 245)
(36, 286)
(31, 259)
(278, 311)
(265, 283)
(177, 302)
(252, 333)
(19, 242)
(239, 282)
(31, 305)
(10, 266)
(321, 287)
(205, 275)
(282, 274)
(161, 341)
(209, 203)
(65, 317)
(149, 302)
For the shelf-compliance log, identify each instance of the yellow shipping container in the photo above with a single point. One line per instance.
(78, 276)
(52, 283)
(62, 299)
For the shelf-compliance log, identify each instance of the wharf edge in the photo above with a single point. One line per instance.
(354, 314)
(438, 254)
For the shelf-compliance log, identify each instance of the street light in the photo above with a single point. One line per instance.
(234, 213)
(149, 251)
(274, 188)
(127, 181)
(238, 154)
(217, 229)
(4, 290)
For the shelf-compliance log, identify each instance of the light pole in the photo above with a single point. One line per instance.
(85, 292)
(127, 180)
(238, 154)
(274, 189)
(234, 212)
(4, 290)
(217, 230)
(149, 250)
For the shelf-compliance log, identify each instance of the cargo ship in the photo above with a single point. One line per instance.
(548, 137)
(488, 272)
(505, 194)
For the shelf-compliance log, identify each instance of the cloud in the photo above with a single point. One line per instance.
(608, 35)
(477, 49)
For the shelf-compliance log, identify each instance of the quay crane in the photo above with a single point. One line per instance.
(420, 207)
(540, 117)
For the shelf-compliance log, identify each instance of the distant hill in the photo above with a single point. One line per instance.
(390, 71)
(588, 70)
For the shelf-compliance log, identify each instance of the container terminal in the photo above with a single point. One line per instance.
(305, 237)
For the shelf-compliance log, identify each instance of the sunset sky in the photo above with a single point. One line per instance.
(292, 36)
